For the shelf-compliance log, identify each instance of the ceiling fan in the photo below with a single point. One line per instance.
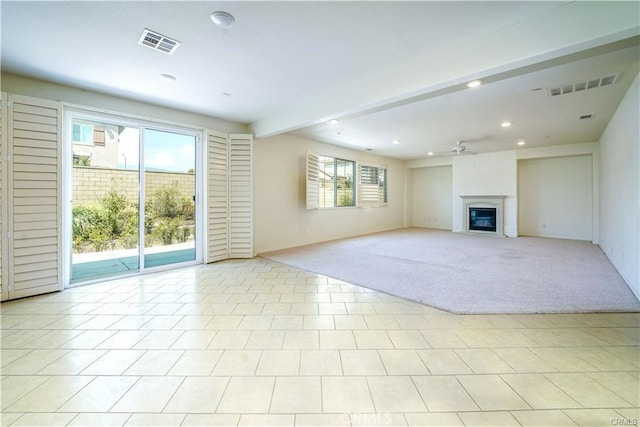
(459, 148)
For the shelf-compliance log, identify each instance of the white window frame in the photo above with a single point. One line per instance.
(313, 182)
(74, 113)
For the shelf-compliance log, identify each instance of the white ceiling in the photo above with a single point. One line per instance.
(387, 70)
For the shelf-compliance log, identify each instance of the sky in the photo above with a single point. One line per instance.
(164, 151)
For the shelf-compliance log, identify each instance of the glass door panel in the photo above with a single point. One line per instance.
(105, 199)
(170, 198)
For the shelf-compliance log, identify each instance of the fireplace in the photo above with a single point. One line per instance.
(482, 219)
(483, 214)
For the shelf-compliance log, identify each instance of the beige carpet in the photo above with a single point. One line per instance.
(465, 273)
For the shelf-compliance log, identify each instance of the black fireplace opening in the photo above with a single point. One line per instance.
(482, 219)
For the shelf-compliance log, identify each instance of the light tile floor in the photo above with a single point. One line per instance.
(257, 343)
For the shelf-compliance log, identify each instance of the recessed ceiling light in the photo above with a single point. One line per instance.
(505, 124)
(474, 83)
(395, 142)
(223, 19)
(226, 94)
(167, 77)
(521, 142)
(430, 153)
(334, 121)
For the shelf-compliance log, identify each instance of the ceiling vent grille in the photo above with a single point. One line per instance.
(609, 80)
(157, 41)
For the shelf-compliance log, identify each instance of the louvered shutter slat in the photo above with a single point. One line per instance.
(384, 198)
(3, 114)
(218, 227)
(313, 181)
(98, 136)
(35, 192)
(368, 190)
(240, 200)
(373, 186)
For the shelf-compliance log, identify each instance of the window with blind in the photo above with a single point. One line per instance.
(372, 186)
(331, 183)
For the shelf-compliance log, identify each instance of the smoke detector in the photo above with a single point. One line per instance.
(565, 89)
(157, 41)
(223, 19)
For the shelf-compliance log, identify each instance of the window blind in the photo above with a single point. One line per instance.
(230, 196)
(240, 196)
(372, 186)
(313, 180)
(218, 193)
(34, 193)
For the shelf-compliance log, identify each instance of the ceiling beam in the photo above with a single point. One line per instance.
(563, 31)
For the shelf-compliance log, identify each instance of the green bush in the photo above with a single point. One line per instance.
(166, 230)
(129, 236)
(345, 198)
(113, 222)
(187, 209)
(165, 202)
(114, 205)
(78, 244)
(148, 218)
(183, 234)
(149, 240)
(100, 238)
(99, 226)
(86, 219)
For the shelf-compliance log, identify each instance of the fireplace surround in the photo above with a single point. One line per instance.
(483, 214)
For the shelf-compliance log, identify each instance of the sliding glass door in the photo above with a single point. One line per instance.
(133, 197)
(170, 197)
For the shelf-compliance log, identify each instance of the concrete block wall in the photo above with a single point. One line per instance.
(90, 184)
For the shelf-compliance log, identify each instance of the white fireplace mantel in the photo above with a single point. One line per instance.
(484, 201)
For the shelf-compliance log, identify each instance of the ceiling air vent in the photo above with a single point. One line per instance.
(157, 41)
(586, 85)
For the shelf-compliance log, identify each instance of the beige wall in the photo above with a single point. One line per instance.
(479, 175)
(281, 219)
(430, 193)
(619, 185)
(90, 184)
(555, 197)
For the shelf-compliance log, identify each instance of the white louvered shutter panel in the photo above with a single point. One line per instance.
(217, 197)
(240, 196)
(34, 179)
(313, 181)
(3, 127)
(369, 188)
